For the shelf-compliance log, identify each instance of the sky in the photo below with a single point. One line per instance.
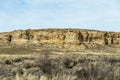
(38, 14)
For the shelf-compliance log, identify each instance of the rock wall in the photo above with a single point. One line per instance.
(60, 38)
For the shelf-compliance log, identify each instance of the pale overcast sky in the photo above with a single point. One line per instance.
(83, 14)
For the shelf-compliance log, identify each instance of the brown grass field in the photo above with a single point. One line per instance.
(37, 64)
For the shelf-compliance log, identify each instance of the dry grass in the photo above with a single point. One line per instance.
(18, 51)
(63, 67)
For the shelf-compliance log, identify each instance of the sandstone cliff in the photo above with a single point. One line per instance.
(60, 38)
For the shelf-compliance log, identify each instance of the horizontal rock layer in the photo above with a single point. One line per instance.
(60, 38)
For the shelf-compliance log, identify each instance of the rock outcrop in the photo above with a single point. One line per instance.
(60, 38)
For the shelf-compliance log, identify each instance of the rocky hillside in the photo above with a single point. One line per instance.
(60, 38)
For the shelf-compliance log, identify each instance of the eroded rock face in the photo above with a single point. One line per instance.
(60, 38)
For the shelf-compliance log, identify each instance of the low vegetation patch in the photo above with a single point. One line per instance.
(67, 67)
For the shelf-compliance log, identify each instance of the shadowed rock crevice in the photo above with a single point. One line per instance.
(80, 38)
(10, 38)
